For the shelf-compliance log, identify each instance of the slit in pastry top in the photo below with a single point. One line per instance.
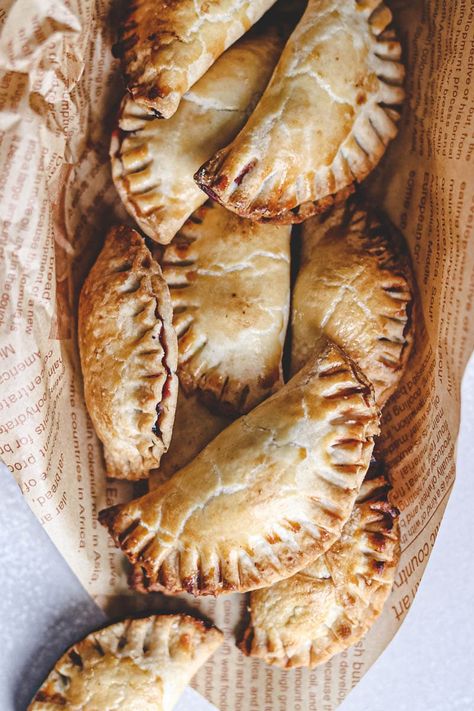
(265, 497)
(128, 352)
(323, 122)
(165, 47)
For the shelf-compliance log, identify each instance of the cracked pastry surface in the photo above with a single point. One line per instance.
(355, 286)
(128, 355)
(336, 91)
(134, 665)
(167, 46)
(153, 161)
(265, 497)
(229, 281)
(329, 605)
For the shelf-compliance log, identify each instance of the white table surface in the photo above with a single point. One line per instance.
(428, 667)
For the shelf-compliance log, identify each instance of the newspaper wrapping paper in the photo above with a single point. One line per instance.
(59, 91)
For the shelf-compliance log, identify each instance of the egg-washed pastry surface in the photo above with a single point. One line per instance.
(229, 281)
(153, 161)
(167, 46)
(134, 665)
(329, 605)
(355, 286)
(265, 497)
(128, 355)
(324, 120)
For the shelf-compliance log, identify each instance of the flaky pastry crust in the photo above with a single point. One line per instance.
(329, 605)
(355, 286)
(265, 497)
(324, 120)
(134, 665)
(153, 161)
(128, 354)
(167, 46)
(229, 281)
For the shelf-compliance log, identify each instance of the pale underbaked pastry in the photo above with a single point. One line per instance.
(329, 605)
(153, 161)
(265, 497)
(129, 355)
(134, 665)
(355, 286)
(194, 427)
(167, 46)
(324, 120)
(229, 281)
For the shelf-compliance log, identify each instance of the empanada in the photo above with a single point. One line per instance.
(229, 281)
(153, 161)
(167, 46)
(194, 427)
(141, 664)
(324, 120)
(129, 355)
(265, 497)
(329, 605)
(355, 286)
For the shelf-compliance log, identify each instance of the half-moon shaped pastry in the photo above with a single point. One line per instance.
(167, 46)
(324, 120)
(140, 664)
(229, 281)
(329, 605)
(128, 355)
(194, 427)
(265, 497)
(355, 286)
(153, 161)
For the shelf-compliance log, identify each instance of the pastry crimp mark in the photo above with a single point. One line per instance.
(139, 663)
(265, 497)
(166, 47)
(229, 281)
(128, 354)
(336, 91)
(329, 605)
(356, 286)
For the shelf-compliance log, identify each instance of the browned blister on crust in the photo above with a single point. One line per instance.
(135, 664)
(128, 354)
(329, 605)
(229, 280)
(355, 286)
(265, 497)
(153, 161)
(166, 46)
(324, 121)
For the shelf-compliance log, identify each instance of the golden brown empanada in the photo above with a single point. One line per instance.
(324, 120)
(153, 161)
(141, 664)
(329, 605)
(128, 355)
(194, 427)
(229, 281)
(167, 46)
(355, 286)
(265, 497)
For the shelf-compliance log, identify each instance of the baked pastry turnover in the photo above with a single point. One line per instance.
(355, 286)
(134, 665)
(329, 605)
(167, 46)
(265, 497)
(128, 355)
(153, 161)
(324, 120)
(229, 281)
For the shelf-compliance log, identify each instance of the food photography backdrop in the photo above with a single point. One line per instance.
(59, 93)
